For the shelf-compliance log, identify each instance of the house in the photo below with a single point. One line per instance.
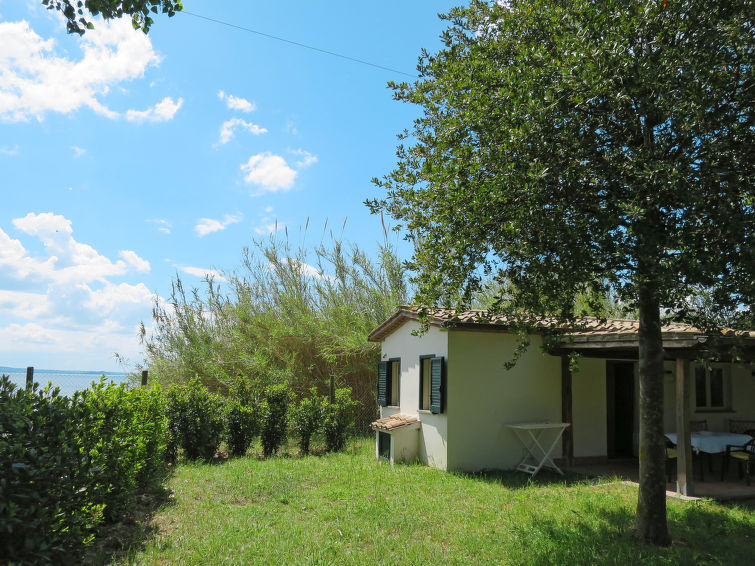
(446, 397)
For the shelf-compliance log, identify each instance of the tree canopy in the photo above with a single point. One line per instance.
(78, 12)
(579, 148)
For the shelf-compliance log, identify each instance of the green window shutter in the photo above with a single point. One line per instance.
(436, 385)
(382, 384)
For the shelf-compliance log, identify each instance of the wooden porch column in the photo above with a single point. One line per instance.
(684, 479)
(567, 440)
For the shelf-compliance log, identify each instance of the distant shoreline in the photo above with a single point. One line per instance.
(7, 369)
(67, 382)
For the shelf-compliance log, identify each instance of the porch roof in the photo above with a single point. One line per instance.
(589, 336)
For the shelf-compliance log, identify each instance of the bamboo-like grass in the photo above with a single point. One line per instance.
(294, 314)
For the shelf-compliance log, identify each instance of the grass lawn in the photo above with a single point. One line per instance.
(350, 509)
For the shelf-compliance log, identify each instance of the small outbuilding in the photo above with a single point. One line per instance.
(447, 399)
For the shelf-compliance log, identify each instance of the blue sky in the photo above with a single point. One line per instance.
(126, 159)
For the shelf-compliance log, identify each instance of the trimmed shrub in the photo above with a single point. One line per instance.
(153, 422)
(306, 418)
(338, 419)
(122, 432)
(240, 418)
(195, 418)
(274, 413)
(46, 511)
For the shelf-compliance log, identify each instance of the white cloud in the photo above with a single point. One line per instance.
(67, 348)
(63, 301)
(9, 150)
(226, 129)
(268, 227)
(141, 265)
(21, 304)
(36, 79)
(306, 269)
(208, 225)
(44, 223)
(236, 103)
(113, 297)
(67, 259)
(291, 128)
(160, 112)
(29, 337)
(306, 160)
(268, 223)
(163, 225)
(201, 272)
(269, 172)
(78, 151)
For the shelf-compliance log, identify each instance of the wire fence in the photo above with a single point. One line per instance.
(68, 382)
(365, 413)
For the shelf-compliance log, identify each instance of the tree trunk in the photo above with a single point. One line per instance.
(651, 505)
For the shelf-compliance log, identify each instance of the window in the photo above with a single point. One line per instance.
(431, 384)
(389, 382)
(711, 388)
(424, 385)
(393, 398)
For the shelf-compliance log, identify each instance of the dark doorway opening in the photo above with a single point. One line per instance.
(620, 409)
(384, 445)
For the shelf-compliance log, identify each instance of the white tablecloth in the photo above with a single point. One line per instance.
(712, 442)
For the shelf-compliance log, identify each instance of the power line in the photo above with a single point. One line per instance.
(284, 40)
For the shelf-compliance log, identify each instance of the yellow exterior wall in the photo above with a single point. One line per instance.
(742, 398)
(743, 391)
(482, 397)
(669, 397)
(589, 408)
(433, 436)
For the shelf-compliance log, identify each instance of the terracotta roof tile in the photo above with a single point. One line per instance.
(585, 327)
(394, 422)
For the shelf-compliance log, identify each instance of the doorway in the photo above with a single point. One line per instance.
(620, 409)
(384, 445)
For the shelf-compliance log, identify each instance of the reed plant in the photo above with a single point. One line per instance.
(286, 314)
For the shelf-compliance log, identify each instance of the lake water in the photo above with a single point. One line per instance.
(68, 381)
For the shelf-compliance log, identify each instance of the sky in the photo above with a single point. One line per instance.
(127, 160)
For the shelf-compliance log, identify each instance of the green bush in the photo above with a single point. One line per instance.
(306, 417)
(153, 422)
(195, 417)
(240, 417)
(338, 419)
(274, 413)
(174, 407)
(122, 431)
(46, 511)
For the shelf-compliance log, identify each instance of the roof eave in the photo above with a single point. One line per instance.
(398, 318)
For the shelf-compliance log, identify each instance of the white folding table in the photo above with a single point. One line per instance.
(539, 440)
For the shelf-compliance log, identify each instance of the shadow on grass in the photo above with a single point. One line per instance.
(517, 480)
(701, 534)
(114, 541)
